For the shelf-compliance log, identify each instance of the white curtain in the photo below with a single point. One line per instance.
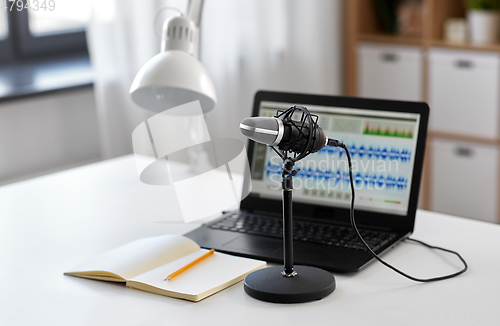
(289, 45)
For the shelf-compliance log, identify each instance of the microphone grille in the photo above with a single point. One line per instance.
(262, 130)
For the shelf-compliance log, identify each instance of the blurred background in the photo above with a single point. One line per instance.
(66, 67)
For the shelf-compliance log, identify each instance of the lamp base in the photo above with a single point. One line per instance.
(310, 284)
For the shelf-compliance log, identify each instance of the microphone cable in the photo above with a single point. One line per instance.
(336, 143)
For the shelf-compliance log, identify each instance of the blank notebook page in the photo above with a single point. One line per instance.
(140, 256)
(214, 271)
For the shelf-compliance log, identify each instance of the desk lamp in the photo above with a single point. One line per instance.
(174, 76)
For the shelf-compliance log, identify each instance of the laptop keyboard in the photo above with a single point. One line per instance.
(331, 235)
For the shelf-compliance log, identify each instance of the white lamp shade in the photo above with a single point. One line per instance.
(172, 78)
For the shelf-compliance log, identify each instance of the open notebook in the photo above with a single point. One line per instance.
(145, 263)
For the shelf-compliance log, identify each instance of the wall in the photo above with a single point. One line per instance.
(47, 133)
(282, 45)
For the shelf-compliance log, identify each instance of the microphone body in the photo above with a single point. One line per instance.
(289, 136)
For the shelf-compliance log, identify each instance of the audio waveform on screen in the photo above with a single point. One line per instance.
(388, 130)
(370, 152)
(367, 179)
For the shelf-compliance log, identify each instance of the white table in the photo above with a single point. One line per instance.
(49, 224)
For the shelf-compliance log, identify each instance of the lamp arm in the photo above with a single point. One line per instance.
(194, 11)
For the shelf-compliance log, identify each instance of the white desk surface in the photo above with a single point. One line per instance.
(50, 224)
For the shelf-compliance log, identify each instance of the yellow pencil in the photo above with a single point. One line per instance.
(191, 264)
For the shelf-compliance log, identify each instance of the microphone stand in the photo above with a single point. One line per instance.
(291, 284)
(287, 186)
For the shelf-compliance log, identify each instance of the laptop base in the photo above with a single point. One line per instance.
(270, 285)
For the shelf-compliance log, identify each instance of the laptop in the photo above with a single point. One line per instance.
(386, 140)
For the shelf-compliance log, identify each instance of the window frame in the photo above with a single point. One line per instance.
(6, 46)
(20, 45)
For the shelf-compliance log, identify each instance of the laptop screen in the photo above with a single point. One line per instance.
(382, 145)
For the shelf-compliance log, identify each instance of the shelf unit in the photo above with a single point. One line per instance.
(362, 25)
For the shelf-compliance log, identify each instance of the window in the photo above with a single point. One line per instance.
(70, 15)
(31, 29)
(43, 46)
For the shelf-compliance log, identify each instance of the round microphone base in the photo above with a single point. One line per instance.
(270, 285)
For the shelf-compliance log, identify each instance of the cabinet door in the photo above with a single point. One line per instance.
(390, 72)
(464, 92)
(465, 180)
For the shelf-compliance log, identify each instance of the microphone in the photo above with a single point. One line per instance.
(290, 135)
